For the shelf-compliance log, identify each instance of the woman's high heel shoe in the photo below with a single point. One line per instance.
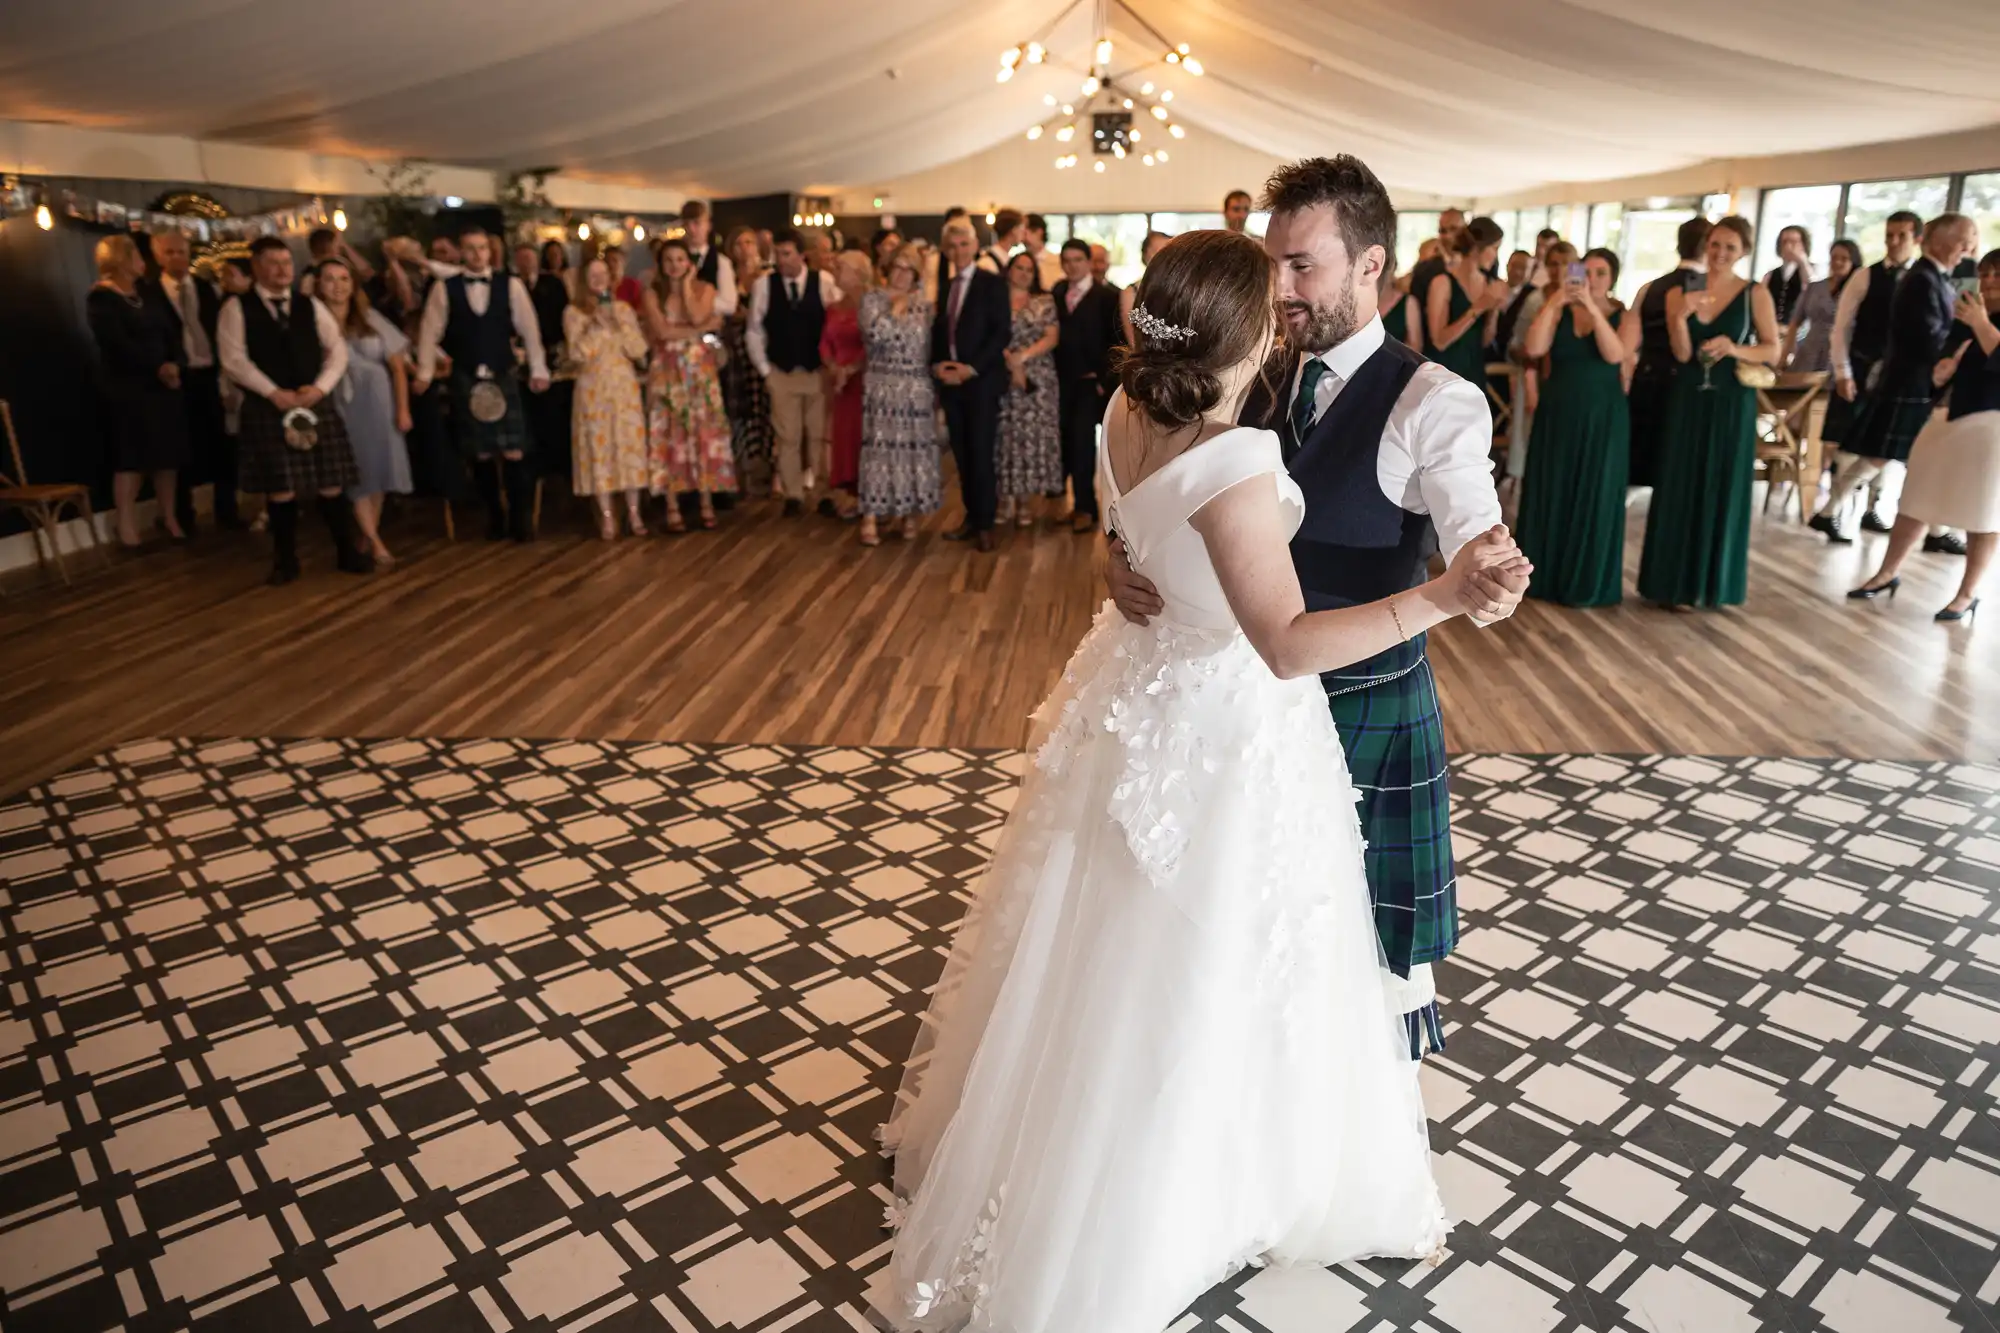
(1950, 616)
(1867, 594)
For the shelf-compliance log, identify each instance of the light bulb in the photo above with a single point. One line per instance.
(1068, 110)
(43, 218)
(1192, 66)
(1177, 131)
(798, 220)
(989, 219)
(1065, 134)
(453, 201)
(1167, 95)
(1159, 112)
(1099, 166)
(1182, 49)
(878, 201)
(1048, 99)
(1104, 50)
(1147, 159)
(1006, 73)
(638, 231)
(1036, 54)
(1128, 104)
(1161, 155)
(1091, 85)
(1173, 57)
(1134, 136)
(1034, 133)
(340, 219)
(1147, 88)
(583, 231)
(1011, 58)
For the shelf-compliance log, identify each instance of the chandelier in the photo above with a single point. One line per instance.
(1114, 112)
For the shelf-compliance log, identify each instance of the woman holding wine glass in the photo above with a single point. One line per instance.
(1698, 531)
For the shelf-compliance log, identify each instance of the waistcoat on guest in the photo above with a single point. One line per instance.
(1870, 336)
(289, 353)
(1356, 544)
(791, 333)
(709, 270)
(480, 340)
(1656, 349)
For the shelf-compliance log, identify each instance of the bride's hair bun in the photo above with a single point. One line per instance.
(1204, 307)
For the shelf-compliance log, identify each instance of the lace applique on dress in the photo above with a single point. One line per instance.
(960, 1291)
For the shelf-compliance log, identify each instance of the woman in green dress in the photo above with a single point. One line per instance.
(1460, 298)
(1698, 532)
(1402, 321)
(1571, 523)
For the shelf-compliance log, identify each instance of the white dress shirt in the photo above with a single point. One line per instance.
(186, 300)
(479, 295)
(235, 353)
(1437, 446)
(1049, 262)
(1851, 297)
(725, 281)
(760, 306)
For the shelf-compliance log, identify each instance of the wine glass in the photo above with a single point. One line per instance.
(1708, 360)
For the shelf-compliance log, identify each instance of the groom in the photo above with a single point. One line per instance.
(1394, 455)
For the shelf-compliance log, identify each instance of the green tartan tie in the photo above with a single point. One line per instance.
(1302, 406)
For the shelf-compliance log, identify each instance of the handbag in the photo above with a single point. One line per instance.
(1753, 374)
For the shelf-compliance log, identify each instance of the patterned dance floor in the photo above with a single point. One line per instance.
(506, 1035)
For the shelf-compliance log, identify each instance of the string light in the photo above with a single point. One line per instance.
(1147, 159)
(340, 219)
(1167, 95)
(1161, 155)
(1048, 99)
(798, 220)
(43, 218)
(1100, 167)
(1006, 73)
(1065, 134)
(1091, 85)
(1177, 131)
(583, 231)
(1104, 50)
(1159, 112)
(1036, 55)
(638, 231)
(1034, 132)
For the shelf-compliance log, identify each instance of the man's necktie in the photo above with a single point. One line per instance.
(1302, 406)
(281, 309)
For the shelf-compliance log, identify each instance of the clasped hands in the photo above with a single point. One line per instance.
(952, 372)
(287, 399)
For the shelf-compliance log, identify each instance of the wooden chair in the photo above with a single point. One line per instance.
(1787, 447)
(43, 505)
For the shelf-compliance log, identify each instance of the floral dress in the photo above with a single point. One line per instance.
(608, 423)
(899, 434)
(1030, 447)
(748, 401)
(690, 447)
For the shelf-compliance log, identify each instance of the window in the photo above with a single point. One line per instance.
(1573, 221)
(1173, 224)
(1647, 245)
(1510, 234)
(1058, 230)
(1607, 225)
(1412, 230)
(1814, 207)
(1870, 203)
(1120, 233)
(1715, 207)
(1258, 224)
(1980, 201)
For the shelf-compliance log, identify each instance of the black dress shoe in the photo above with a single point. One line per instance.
(983, 542)
(1874, 522)
(1949, 615)
(793, 509)
(1824, 523)
(283, 572)
(1867, 594)
(963, 533)
(1949, 544)
(827, 509)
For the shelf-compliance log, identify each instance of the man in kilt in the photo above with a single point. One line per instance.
(284, 351)
(474, 315)
(1394, 455)
(1898, 405)
(1859, 340)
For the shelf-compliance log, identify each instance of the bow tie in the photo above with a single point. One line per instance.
(482, 279)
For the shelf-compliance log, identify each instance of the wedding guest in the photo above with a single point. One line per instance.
(711, 265)
(1572, 518)
(1525, 377)
(885, 242)
(787, 316)
(1860, 340)
(1954, 479)
(287, 353)
(968, 356)
(690, 443)
(232, 278)
(1007, 226)
(324, 243)
(196, 305)
(1035, 239)
(140, 353)
(1459, 299)
(1028, 448)
(1653, 379)
(819, 252)
(1100, 267)
(1433, 254)
(474, 317)
(1402, 318)
(899, 444)
(1089, 321)
(844, 359)
(1236, 210)
(767, 247)
(374, 398)
(1898, 403)
(547, 288)
(628, 289)
(444, 250)
(1698, 529)
(548, 411)
(1789, 280)
(1809, 345)
(744, 394)
(608, 429)
(1147, 249)
(1523, 273)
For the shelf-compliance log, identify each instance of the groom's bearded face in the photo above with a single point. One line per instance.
(1319, 285)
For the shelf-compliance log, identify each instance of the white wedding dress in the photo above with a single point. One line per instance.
(1161, 1049)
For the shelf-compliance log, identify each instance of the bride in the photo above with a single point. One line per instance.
(1161, 1049)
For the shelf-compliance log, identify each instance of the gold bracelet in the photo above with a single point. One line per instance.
(1397, 616)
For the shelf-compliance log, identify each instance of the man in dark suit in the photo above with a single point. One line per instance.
(194, 305)
(968, 357)
(1087, 317)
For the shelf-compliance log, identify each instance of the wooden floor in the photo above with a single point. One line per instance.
(787, 630)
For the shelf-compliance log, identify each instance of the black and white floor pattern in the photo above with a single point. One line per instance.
(494, 1035)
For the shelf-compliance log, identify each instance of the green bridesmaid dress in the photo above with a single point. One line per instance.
(1467, 356)
(1697, 549)
(1396, 324)
(1572, 519)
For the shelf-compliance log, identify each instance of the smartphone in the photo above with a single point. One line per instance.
(1966, 286)
(1575, 277)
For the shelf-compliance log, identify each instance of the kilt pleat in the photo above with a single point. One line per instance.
(484, 439)
(266, 465)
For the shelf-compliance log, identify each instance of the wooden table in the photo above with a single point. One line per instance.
(1794, 407)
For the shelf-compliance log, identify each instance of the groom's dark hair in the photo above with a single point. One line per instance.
(1356, 195)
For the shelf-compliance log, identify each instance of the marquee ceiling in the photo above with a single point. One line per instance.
(756, 96)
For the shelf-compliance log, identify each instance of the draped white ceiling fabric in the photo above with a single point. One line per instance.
(1462, 98)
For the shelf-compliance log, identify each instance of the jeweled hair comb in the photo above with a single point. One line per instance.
(1157, 329)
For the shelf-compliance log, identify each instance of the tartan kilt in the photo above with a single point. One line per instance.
(266, 465)
(1394, 738)
(487, 439)
(1889, 425)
